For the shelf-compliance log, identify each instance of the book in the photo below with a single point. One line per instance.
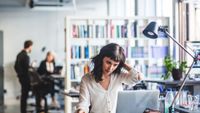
(86, 52)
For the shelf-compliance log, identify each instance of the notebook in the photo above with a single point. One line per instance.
(136, 101)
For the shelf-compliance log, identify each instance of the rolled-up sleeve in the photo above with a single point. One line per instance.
(130, 77)
(84, 98)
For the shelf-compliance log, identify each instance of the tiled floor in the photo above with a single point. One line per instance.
(10, 109)
(16, 109)
(14, 106)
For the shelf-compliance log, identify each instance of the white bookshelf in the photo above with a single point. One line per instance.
(86, 35)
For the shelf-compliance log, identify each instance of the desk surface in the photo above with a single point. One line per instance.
(184, 110)
(174, 83)
(71, 93)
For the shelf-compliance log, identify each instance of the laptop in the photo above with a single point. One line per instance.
(136, 101)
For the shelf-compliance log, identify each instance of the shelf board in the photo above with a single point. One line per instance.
(133, 59)
(196, 67)
(75, 100)
(75, 80)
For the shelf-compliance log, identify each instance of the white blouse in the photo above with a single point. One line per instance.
(50, 67)
(101, 100)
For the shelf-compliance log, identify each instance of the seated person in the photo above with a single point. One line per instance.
(99, 88)
(46, 68)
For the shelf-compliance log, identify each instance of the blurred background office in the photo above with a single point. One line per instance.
(43, 21)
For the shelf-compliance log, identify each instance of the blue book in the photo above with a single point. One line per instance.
(79, 51)
(84, 31)
(134, 29)
(72, 72)
(97, 31)
(86, 51)
(159, 51)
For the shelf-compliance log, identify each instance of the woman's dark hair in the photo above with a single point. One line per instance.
(113, 51)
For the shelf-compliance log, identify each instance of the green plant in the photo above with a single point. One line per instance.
(170, 64)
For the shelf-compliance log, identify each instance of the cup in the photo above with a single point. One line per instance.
(193, 102)
(190, 101)
(183, 98)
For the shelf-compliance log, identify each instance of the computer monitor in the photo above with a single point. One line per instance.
(193, 47)
(136, 101)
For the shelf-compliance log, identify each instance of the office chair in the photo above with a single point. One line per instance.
(39, 88)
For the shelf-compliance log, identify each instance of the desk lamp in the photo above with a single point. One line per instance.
(151, 32)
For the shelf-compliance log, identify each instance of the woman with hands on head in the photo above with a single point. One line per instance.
(99, 88)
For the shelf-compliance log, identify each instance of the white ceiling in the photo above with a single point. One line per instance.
(12, 3)
(23, 3)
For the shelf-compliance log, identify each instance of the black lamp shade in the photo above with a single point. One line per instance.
(151, 30)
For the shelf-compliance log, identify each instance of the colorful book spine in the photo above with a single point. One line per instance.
(137, 52)
(74, 31)
(86, 51)
(118, 31)
(112, 30)
(134, 29)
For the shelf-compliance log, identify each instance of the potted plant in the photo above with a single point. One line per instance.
(174, 68)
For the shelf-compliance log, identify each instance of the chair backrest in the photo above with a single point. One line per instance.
(38, 83)
(136, 101)
(35, 78)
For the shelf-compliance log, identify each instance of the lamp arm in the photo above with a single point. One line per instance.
(178, 43)
(181, 87)
(187, 74)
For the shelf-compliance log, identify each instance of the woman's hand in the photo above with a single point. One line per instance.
(139, 74)
(127, 67)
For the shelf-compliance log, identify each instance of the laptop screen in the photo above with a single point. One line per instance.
(136, 101)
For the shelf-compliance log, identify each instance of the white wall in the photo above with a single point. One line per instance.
(117, 7)
(45, 28)
(146, 8)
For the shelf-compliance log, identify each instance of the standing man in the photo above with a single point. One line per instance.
(21, 67)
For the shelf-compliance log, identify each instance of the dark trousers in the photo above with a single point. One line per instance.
(38, 106)
(40, 91)
(25, 87)
(49, 85)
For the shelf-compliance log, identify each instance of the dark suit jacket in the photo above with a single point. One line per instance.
(42, 70)
(22, 65)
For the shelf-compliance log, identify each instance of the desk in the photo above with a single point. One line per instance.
(71, 94)
(57, 76)
(184, 110)
(175, 83)
(195, 84)
(59, 80)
